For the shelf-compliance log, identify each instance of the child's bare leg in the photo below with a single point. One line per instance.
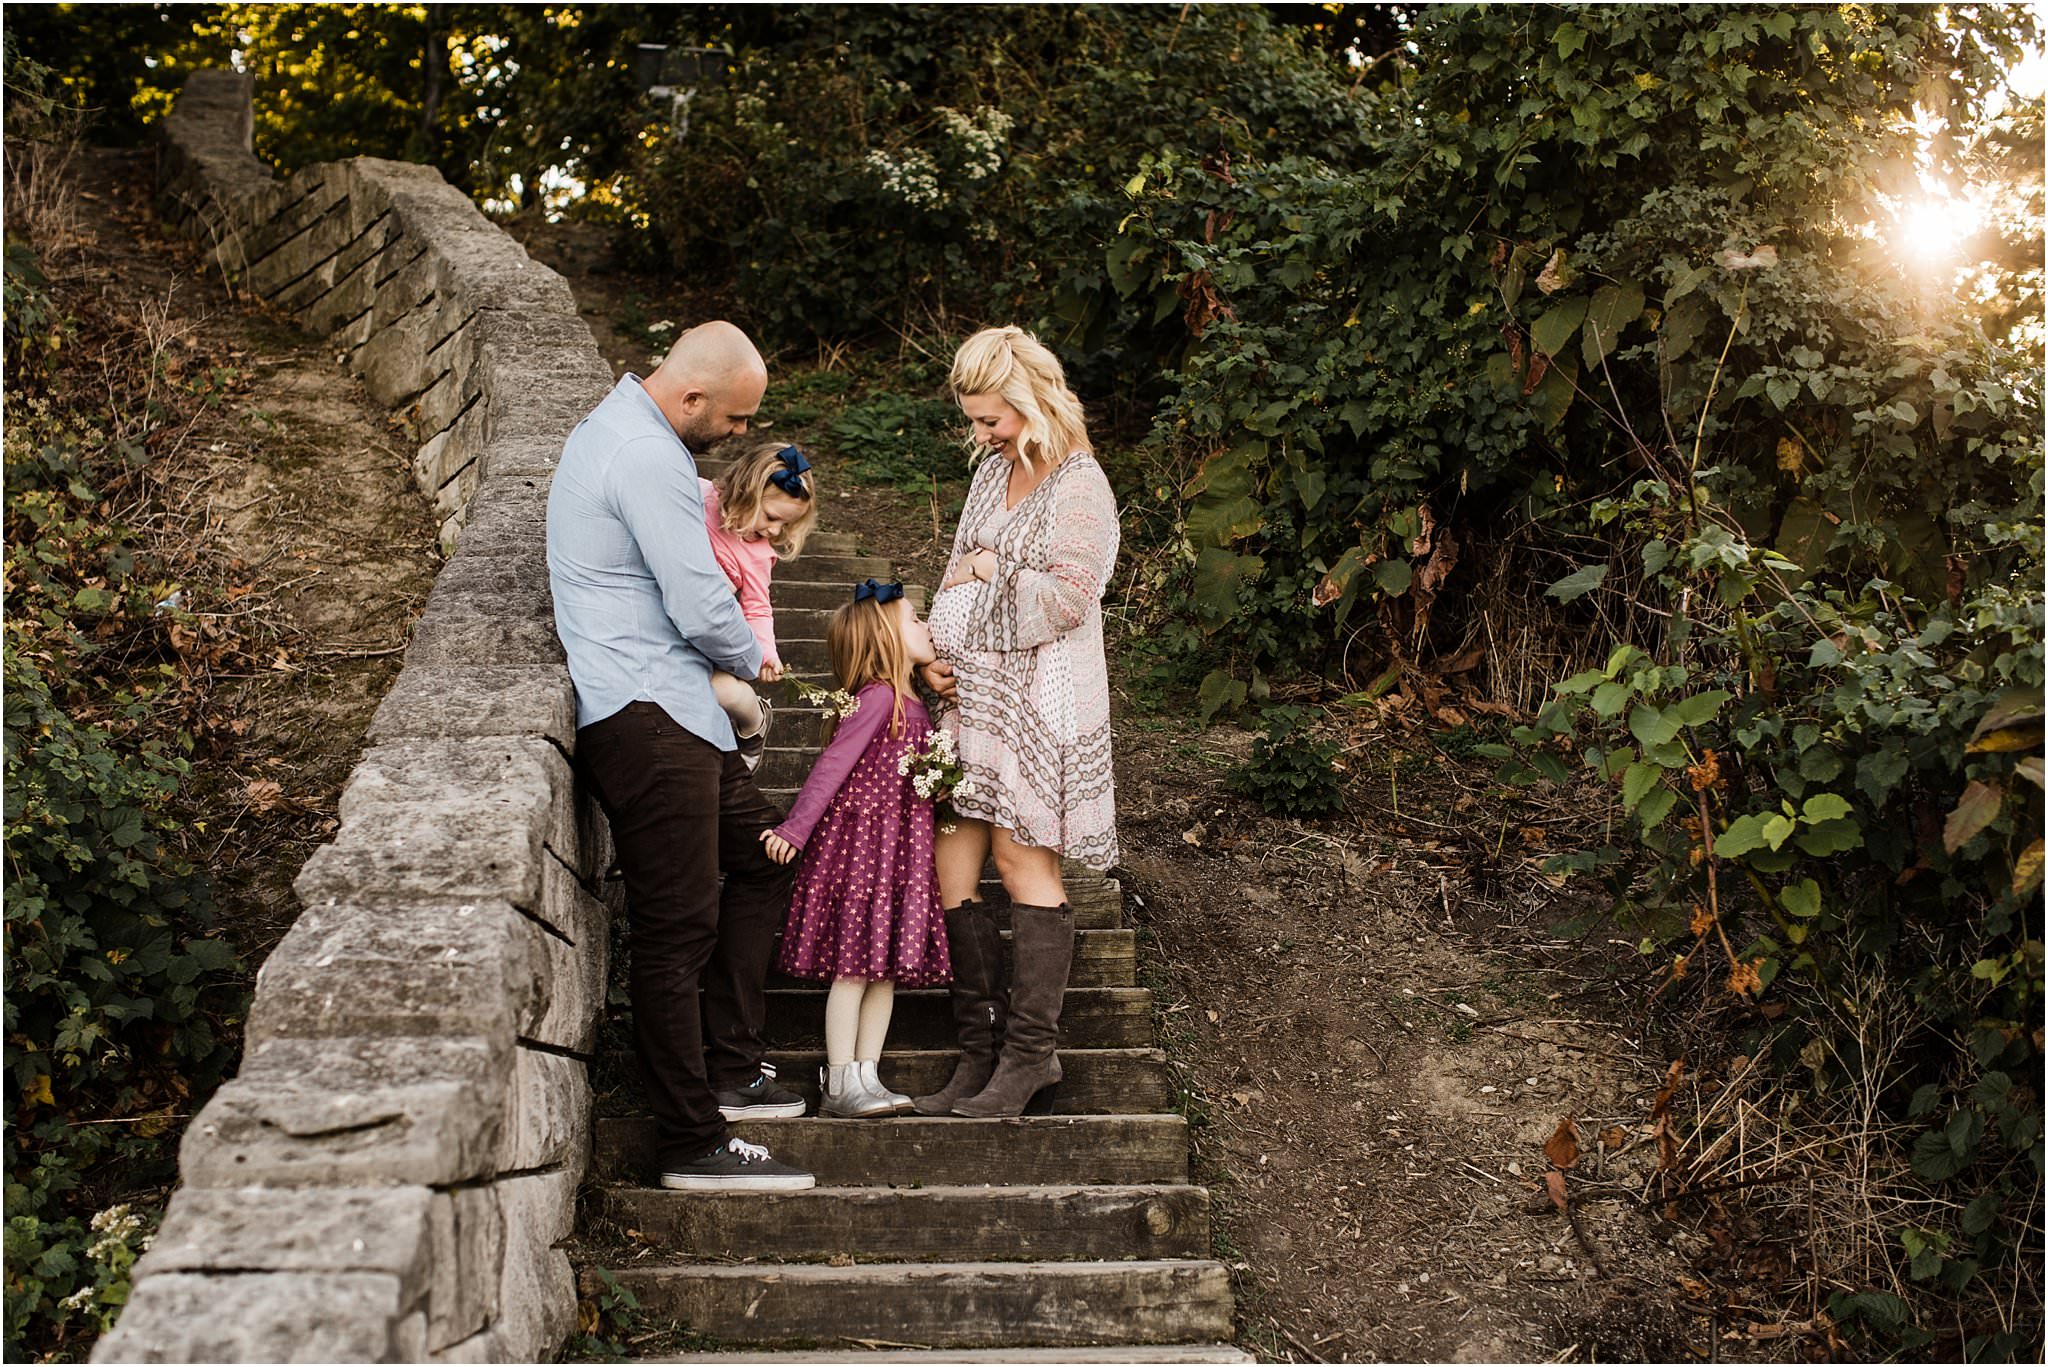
(736, 697)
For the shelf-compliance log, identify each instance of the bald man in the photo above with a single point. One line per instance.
(646, 615)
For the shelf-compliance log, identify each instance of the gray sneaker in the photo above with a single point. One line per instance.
(737, 1165)
(753, 748)
(762, 1099)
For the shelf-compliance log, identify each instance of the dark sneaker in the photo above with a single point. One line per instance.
(753, 747)
(761, 1099)
(737, 1165)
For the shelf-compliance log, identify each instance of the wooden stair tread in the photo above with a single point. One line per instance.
(1097, 1082)
(933, 1223)
(1161, 1353)
(945, 1305)
(1089, 1150)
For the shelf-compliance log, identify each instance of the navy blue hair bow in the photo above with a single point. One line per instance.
(790, 478)
(881, 593)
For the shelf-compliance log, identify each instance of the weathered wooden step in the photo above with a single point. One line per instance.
(926, 1224)
(825, 582)
(801, 621)
(797, 729)
(1091, 1018)
(1085, 1150)
(804, 654)
(1160, 1353)
(1102, 958)
(945, 1305)
(1097, 1081)
(844, 570)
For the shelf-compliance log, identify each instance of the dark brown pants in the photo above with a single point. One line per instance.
(682, 812)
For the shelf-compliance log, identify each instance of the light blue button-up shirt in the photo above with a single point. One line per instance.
(642, 608)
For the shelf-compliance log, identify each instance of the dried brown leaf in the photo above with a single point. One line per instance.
(1562, 1148)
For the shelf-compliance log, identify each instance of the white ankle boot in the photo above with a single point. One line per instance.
(845, 1093)
(872, 1080)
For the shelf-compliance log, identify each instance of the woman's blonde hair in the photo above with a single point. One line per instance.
(866, 646)
(745, 483)
(1022, 371)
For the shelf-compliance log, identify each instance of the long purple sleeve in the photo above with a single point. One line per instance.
(871, 718)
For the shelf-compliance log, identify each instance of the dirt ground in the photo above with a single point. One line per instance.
(284, 513)
(1374, 1025)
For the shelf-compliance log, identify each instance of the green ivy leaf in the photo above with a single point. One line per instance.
(1829, 837)
(1652, 726)
(1637, 782)
(1220, 692)
(1393, 577)
(1801, 899)
(1577, 584)
(1553, 331)
(1824, 807)
(1613, 308)
(1744, 833)
(1700, 708)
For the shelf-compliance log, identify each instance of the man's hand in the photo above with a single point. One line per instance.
(770, 673)
(938, 677)
(780, 850)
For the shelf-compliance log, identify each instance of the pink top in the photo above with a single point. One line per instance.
(749, 565)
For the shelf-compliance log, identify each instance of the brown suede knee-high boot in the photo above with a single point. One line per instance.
(1029, 1069)
(976, 945)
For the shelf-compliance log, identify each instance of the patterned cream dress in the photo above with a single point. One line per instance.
(1032, 715)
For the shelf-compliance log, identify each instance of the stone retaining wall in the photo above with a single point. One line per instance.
(389, 1175)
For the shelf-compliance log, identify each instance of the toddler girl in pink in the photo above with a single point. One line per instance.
(758, 511)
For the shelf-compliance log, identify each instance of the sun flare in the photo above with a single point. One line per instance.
(1933, 229)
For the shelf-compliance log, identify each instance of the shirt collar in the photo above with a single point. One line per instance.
(639, 388)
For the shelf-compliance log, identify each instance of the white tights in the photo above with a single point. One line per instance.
(857, 1020)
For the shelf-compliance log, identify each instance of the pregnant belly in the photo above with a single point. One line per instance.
(952, 616)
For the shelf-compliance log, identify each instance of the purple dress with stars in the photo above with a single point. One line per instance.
(866, 900)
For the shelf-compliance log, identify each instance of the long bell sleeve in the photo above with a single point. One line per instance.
(841, 753)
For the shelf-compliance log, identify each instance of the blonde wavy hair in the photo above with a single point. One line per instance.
(866, 646)
(745, 483)
(1016, 367)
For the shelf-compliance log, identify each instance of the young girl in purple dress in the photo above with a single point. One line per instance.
(865, 909)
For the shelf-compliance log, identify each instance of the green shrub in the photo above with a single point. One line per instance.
(890, 438)
(868, 169)
(117, 991)
(1290, 773)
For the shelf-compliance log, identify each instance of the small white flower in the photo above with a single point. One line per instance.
(965, 789)
(108, 1218)
(663, 326)
(80, 1299)
(903, 763)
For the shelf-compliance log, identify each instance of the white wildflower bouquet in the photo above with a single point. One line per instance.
(840, 703)
(935, 773)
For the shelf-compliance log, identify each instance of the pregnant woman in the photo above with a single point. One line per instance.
(1018, 618)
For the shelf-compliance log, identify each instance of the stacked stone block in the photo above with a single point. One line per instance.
(388, 1176)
